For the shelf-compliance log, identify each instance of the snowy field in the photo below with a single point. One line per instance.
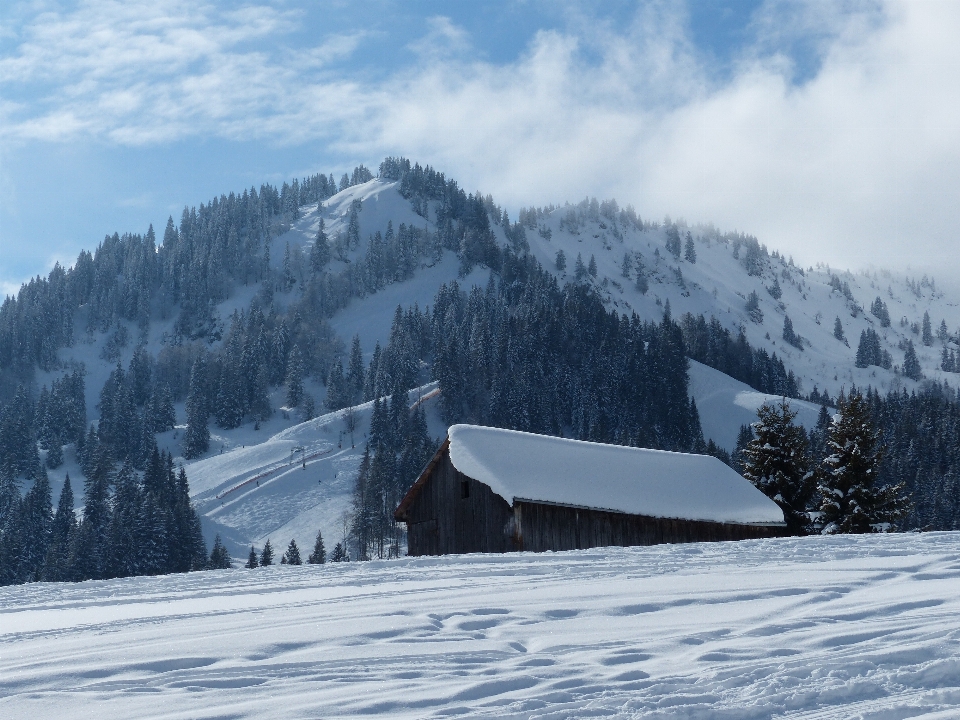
(844, 627)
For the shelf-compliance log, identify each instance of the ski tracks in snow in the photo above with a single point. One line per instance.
(798, 628)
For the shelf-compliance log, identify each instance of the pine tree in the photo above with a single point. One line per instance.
(54, 453)
(592, 267)
(124, 552)
(579, 269)
(847, 477)
(927, 331)
(292, 556)
(753, 307)
(561, 260)
(89, 561)
(197, 437)
(690, 251)
(776, 292)
(355, 371)
(338, 390)
(62, 533)
(294, 377)
(36, 522)
(219, 557)
(339, 554)
(789, 335)
(252, 561)
(643, 285)
(673, 241)
(776, 461)
(744, 437)
(911, 364)
(266, 556)
(838, 331)
(319, 554)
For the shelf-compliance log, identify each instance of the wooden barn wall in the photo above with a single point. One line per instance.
(554, 527)
(442, 521)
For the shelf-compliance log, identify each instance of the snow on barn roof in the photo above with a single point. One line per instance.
(523, 466)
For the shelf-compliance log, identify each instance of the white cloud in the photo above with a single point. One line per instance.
(857, 163)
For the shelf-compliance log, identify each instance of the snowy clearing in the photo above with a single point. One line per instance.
(864, 627)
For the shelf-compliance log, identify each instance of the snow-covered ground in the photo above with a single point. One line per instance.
(839, 627)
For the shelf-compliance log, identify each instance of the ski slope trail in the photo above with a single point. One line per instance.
(293, 484)
(864, 627)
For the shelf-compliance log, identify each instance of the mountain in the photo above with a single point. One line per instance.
(246, 280)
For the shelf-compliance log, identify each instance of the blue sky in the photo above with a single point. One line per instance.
(830, 130)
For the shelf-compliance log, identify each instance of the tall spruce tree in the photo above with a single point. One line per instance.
(219, 557)
(266, 555)
(339, 554)
(197, 437)
(852, 502)
(252, 561)
(319, 554)
(62, 532)
(294, 377)
(911, 363)
(292, 555)
(777, 462)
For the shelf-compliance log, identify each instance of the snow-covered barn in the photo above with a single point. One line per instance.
(494, 490)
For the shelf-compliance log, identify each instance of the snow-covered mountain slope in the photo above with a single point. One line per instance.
(725, 404)
(717, 284)
(292, 484)
(800, 628)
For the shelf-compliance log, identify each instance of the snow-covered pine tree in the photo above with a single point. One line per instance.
(338, 388)
(592, 267)
(320, 251)
(54, 453)
(295, 377)
(776, 461)
(579, 269)
(847, 477)
(62, 532)
(252, 561)
(319, 554)
(292, 555)
(838, 331)
(355, 370)
(561, 261)
(753, 307)
(196, 439)
(673, 240)
(266, 555)
(776, 292)
(789, 335)
(219, 557)
(36, 521)
(690, 251)
(339, 554)
(744, 436)
(927, 331)
(911, 363)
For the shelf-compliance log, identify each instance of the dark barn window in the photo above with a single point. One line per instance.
(464, 489)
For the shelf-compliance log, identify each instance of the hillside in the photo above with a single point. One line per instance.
(391, 244)
(795, 628)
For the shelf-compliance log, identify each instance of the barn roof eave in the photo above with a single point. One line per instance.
(533, 501)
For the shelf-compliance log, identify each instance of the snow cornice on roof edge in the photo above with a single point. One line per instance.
(525, 467)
